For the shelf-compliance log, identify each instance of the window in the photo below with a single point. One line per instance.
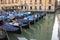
(16, 1)
(2, 7)
(21, 7)
(49, 8)
(30, 7)
(30, 1)
(25, 1)
(1, 1)
(5, 1)
(50, 1)
(35, 7)
(12, 1)
(9, 2)
(35, 1)
(5, 7)
(40, 8)
(12, 7)
(25, 7)
(40, 1)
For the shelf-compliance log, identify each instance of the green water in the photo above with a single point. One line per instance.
(41, 30)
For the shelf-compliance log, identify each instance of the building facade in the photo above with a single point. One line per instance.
(9, 2)
(50, 5)
(39, 5)
(31, 5)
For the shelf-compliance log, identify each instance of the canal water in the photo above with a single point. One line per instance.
(41, 30)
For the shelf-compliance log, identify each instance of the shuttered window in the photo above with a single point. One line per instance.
(49, 8)
(50, 1)
(40, 7)
(16, 1)
(35, 1)
(35, 7)
(30, 7)
(30, 1)
(40, 1)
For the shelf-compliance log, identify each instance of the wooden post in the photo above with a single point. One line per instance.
(34, 17)
(6, 34)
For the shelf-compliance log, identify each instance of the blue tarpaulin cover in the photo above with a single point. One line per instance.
(23, 20)
(8, 27)
(30, 17)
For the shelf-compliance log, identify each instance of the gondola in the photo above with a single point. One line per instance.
(12, 16)
(44, 14)
(32, 16)
(40, 15)
(24, 20)
(36, 17)
(9, 28)
(3, 35)
(23, 23)
(19, 15)
(31, 19)
(20, 22)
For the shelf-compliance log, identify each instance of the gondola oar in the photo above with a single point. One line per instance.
(38, 16)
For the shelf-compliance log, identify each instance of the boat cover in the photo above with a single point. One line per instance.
(8, 27)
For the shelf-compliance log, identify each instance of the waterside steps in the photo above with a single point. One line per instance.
(55, 30)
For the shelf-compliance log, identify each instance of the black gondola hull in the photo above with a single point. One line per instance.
(16, 31)
(32, 22)
(26, 26)
(36, 20)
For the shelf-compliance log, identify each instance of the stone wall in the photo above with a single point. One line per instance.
(58, 3)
